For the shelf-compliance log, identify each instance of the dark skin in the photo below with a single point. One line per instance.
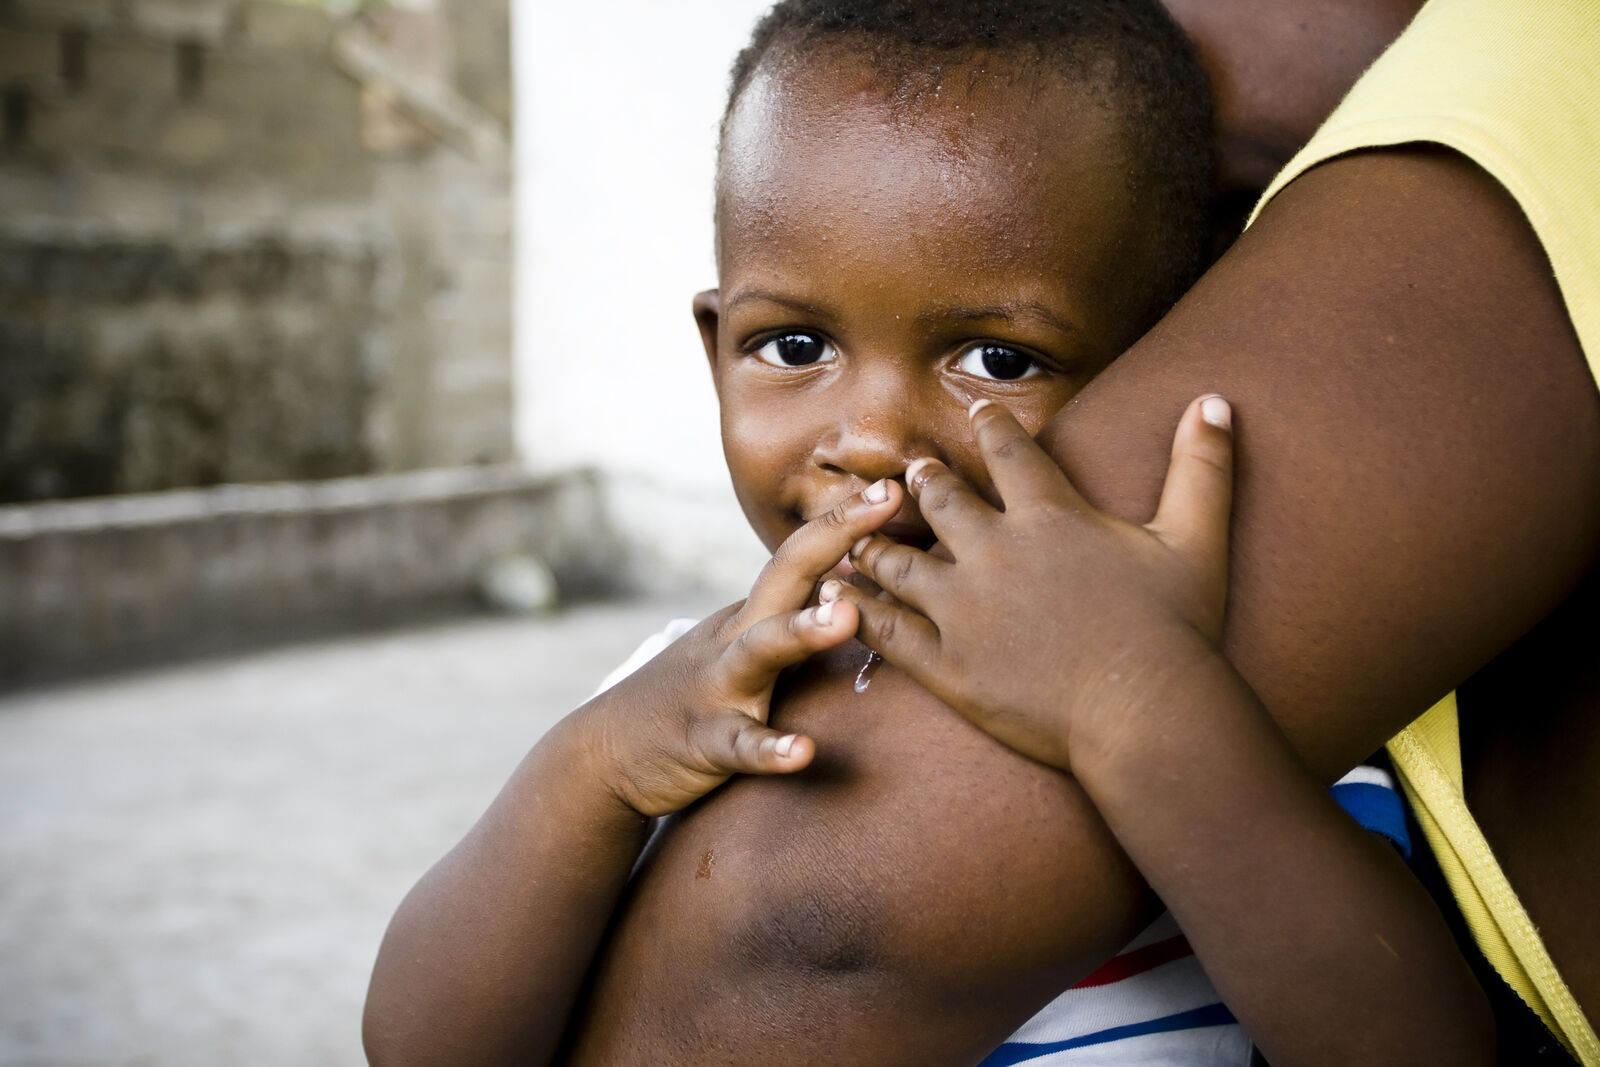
(864, 304)
(1377, 293)
(786, 915)
(882, 264)
(968, 262)
(1397, 531)
(900, 245)
(1302, 922)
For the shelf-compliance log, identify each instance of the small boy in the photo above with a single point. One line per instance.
(933, 219)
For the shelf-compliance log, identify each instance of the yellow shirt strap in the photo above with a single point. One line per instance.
(1427, 757)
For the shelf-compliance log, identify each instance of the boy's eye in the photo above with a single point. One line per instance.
(999, 363)
(796, 350)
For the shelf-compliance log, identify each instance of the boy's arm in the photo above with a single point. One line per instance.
(1317, 937)
(484, 958)
(483, 961)
(1319, 940)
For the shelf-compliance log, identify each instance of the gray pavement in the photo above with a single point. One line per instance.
(196, 864)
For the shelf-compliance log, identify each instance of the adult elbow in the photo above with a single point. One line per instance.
(379, 1036)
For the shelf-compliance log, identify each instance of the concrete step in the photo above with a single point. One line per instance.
(87, 585)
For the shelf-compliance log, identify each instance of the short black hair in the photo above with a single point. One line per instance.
(1130, 51)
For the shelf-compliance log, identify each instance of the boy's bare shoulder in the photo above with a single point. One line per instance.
(919, 884)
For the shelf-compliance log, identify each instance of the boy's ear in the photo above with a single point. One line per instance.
(707, 307)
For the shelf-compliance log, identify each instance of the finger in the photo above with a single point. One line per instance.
(1197, 497)
(734, 743)
(949, 504)
(1022, 472)
(908, 573)
(908, 640)
(751, 664)
(786, 582)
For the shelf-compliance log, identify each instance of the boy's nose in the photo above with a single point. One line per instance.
(876, 440)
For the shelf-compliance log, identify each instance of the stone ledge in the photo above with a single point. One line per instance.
(205, 21)
(89, 14)
(202, 21)
(283, 26)
(90, 584)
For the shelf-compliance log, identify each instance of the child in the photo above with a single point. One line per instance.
(921, 208)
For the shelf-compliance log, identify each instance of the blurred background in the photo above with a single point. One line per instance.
(353, 424)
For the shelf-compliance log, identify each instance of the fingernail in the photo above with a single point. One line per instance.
(914, 468)
(877, 492)
(1216, 411)
(824, 614)
(860, 546)
(977, 406)
(830, 590)
(785, 744)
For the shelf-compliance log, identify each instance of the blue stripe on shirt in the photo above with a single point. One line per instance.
(1022, 1051)
(1376, 808)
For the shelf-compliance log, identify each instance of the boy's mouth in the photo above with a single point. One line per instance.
(905, 532)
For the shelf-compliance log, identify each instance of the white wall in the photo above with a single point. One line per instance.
(617, 104)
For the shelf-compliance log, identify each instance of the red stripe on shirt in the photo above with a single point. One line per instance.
(1138, 961)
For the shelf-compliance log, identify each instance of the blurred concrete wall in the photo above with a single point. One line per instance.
(244, 240)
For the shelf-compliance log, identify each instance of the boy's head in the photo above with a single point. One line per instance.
(924, 203)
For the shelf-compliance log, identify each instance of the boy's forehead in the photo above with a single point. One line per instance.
(979, 124)
(1023, 162)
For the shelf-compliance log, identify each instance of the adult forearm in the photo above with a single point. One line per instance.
(484, 959)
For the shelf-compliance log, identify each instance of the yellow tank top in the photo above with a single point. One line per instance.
(1513, 85)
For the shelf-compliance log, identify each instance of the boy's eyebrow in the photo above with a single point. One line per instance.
(770, 297)
(1015, 309)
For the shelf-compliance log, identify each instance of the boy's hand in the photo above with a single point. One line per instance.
(696, 714)
(1054, 622)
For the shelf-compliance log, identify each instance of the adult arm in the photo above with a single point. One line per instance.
(1419, 441)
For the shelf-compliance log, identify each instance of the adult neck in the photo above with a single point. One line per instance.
(1278, 68)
